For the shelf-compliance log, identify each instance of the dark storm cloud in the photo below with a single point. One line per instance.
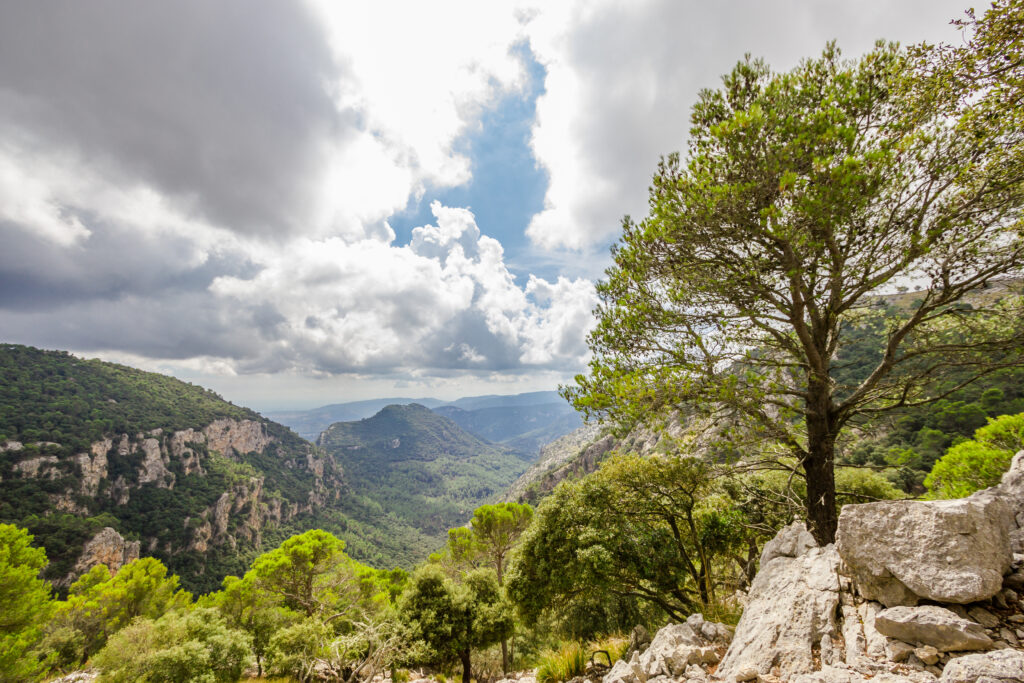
(219, 105)
(181, 326)
(110, 264)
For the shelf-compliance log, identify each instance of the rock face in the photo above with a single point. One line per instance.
(932, 625)
(791, 610)
(31, 467)
(792, 541)
(953, 551)
(107, 547)
(227, 437)
(678, 651)
(232, 437)
(813, 614)
(1001, 666)
(117, 469)
(1011, 490)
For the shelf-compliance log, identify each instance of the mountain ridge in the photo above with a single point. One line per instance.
(418, 472)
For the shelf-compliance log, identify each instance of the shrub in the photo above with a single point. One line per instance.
(568, 661)
(178, 647)
(971, 466)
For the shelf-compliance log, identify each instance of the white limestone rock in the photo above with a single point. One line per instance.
(673, 648)
(946, 550)
(792, 541)
(932, 625)
(999, 666)
(792, 604)
(106, 547)
(620, 673)
(1011, 489)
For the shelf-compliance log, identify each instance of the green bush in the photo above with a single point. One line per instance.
(971, 466)
(179, 647)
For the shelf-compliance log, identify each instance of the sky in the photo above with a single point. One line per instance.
(297, 203)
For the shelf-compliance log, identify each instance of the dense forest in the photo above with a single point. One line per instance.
(417, 473)
(66, 403)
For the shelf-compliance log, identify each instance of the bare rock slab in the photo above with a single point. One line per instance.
(954, 551)
(1002, 666)
(792, 603)
(932, 625)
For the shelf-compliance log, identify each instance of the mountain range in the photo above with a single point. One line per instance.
(521, 421)
(204, 485)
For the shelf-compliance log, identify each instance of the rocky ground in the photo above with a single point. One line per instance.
(912, 591)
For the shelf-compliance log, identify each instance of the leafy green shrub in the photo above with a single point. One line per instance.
(178, 647)
(24, 602)
(971, 466)
(294, 650)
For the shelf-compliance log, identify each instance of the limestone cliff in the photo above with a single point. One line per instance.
(121, 474)
(107, 547)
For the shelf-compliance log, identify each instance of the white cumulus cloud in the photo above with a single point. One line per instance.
(444, 301)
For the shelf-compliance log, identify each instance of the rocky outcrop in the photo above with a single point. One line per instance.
(32, 466)
(234, 437)
(682, 652)
(813, 614)
(251, 511)
(1002, 666)
(1011, 490)
(160, 458)
(900, 552)
(107, 547)
(934, 626)
(153, 467)
(791, 613)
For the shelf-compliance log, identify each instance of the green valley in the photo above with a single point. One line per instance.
(417, 473)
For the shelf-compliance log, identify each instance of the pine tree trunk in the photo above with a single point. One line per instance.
(819, 465)
(504, 656)
(466, 669)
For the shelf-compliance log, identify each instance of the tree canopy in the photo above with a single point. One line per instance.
(970, 466)
(805, 196)
(449, 618)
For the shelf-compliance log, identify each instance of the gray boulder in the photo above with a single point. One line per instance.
(932, 625)
(622, 672)
(999, 666)
(793, 541)
(901, 551)
(673, 648)
(832, 674)
(792, 604)
(1011, 489)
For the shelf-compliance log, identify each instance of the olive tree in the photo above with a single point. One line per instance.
(804, 197)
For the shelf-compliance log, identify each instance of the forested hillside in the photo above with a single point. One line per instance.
(415, 474)
(52, 396)
(523, 428)
(201, 483)
(523, 422)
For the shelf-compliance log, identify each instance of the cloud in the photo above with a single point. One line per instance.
(445, 301)
(211, 183)
(622, 77)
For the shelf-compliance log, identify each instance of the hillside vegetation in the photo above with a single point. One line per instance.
(86, 444)
(52, 396)
(417, 474)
